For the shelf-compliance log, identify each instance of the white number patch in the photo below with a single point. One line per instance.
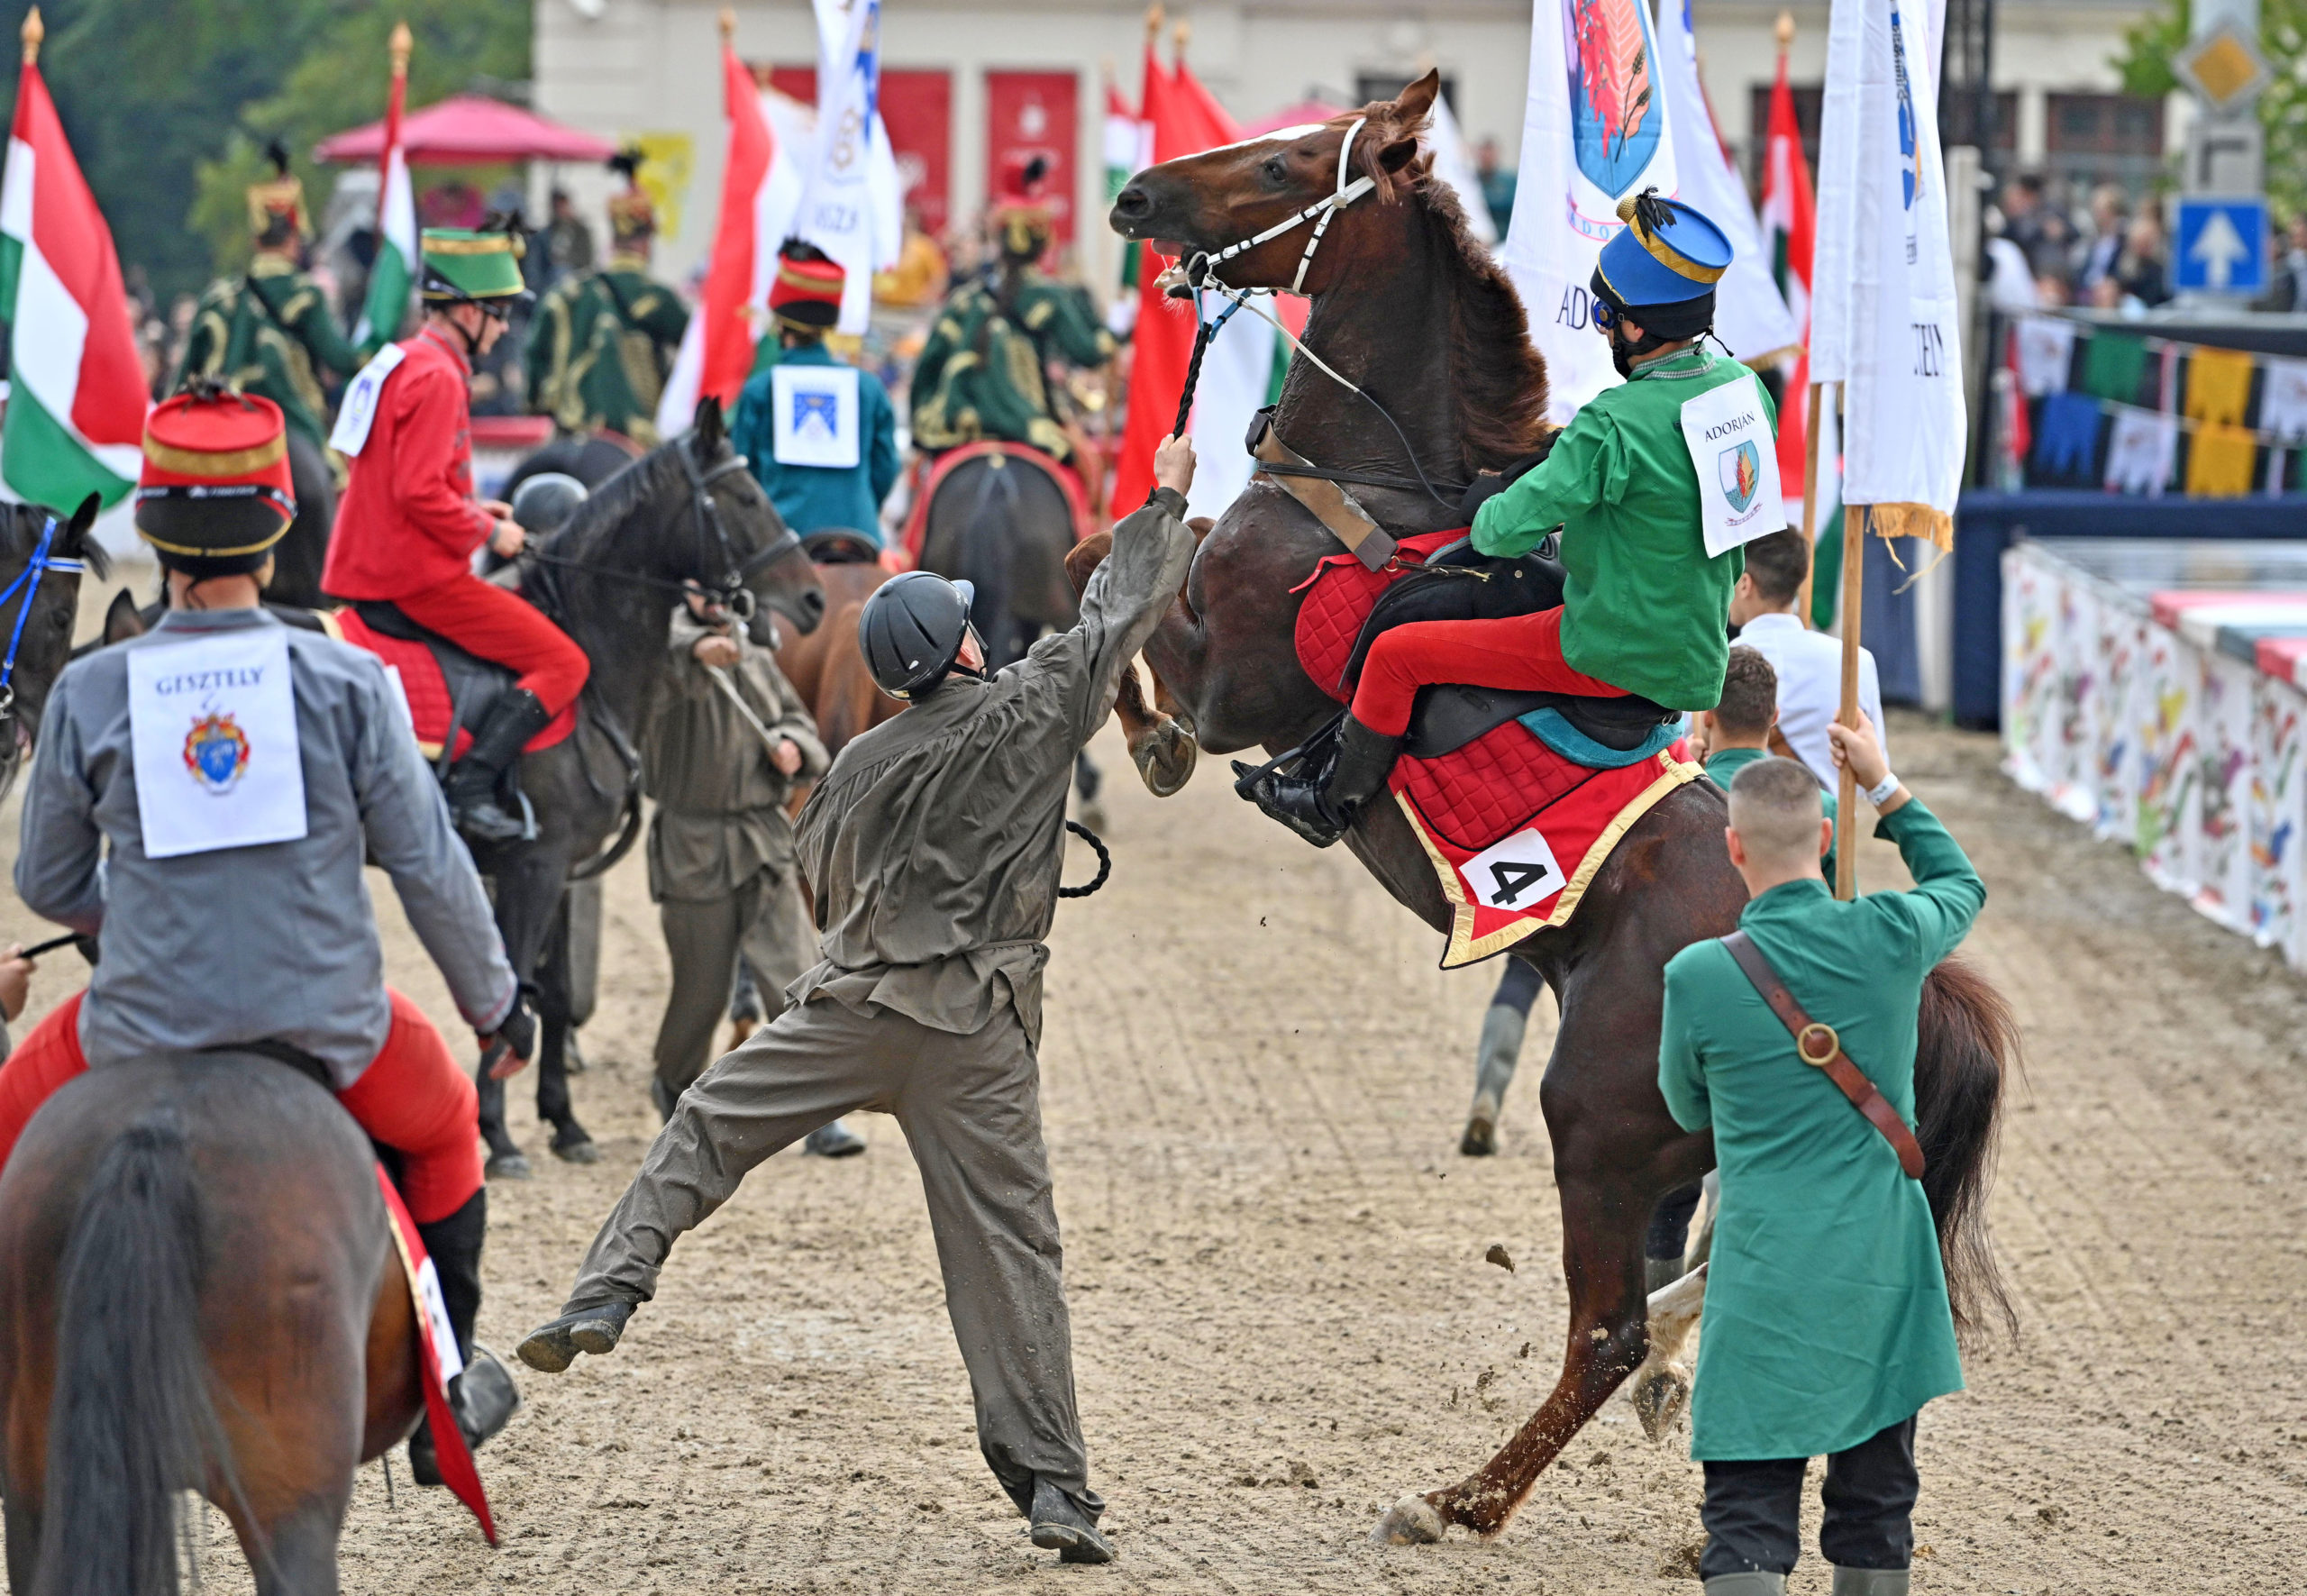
(1519, 873)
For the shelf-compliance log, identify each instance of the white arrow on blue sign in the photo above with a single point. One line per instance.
(2222, 246)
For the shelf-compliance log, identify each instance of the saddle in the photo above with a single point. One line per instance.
(1455, 583)
(449, 691)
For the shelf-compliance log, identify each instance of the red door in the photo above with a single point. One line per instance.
(917, 108)
(1029, 114)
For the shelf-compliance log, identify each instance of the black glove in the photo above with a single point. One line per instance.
(517, 1032)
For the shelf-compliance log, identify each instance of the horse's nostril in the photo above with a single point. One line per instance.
(1133, 204)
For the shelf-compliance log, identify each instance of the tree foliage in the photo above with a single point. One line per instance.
(2161, 36)
(168, 103)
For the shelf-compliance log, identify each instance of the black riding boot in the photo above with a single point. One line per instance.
(1320, 805)
(473, 781)
(484, 1397)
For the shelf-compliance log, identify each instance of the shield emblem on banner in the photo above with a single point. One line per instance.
(1742, 474)
(1614, 119)
(815, 416)
(215, 750)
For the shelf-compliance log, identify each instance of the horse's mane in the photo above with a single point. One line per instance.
(1500, 379)
(607, 506)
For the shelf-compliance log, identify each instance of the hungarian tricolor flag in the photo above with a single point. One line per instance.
(1788, 222)
(76, 400)
(1128, 151)
(393, 271)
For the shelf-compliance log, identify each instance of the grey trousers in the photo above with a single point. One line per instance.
(970, 1109)
(761, 920)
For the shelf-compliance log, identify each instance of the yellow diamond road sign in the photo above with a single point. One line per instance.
(2225, 67)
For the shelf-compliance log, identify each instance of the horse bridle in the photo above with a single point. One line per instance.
(27, 579)
(1321, 213)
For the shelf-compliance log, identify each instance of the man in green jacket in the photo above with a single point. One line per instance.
(1650, 535)
(1826, 1321)
(823, 439)
(602, 344)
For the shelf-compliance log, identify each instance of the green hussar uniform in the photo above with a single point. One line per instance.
(983, 372)
(269, 332)
(602, 343)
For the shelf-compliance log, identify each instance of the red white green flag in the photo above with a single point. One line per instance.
(77, 398)
(394, 272)
(1789, 228)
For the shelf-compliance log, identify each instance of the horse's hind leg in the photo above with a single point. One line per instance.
(556, 1011)
(296, 1555)
(23, 1540)
(1498, 1054)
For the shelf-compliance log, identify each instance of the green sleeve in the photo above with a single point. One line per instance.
(930, 368)
(1586, 467)
(323, 339)
(1075, 329)
(884, 466)
(540, 355)
(1682, 1079)
(204, 348)
(667, 319)
(1948, 893)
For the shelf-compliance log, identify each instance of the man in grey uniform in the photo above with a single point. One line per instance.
(933, 849)
(720, 756)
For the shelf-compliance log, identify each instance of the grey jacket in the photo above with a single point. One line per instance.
(275, 942)
(933, 847)
(720, 802)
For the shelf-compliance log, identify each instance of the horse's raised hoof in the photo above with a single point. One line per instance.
(1165, 758)
(1412, 1521)
(1481, 1140)
(508, 1166)
(1659, 1393)
(571, 1145)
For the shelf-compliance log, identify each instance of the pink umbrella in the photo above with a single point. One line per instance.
(468, 130)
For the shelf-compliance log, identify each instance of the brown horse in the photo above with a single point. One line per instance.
(826, 667)
(201, 1293)
(1418, 316)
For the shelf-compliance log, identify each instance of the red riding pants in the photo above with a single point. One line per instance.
(1523, 653)
(413, 1098)
(483, 619)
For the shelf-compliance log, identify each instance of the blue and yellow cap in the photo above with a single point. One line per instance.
(1666, 254)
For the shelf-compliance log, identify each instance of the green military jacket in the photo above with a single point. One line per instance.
(1644, 608)
(269, 332)
(1723, 769)
(600, 346)
(1826, 1302)
(981, 375)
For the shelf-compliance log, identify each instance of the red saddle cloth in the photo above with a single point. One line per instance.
(425, 689)
(1514, 830)
(933, 475)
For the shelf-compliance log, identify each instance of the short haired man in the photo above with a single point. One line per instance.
(1737, 729)
(1808, 663)
(1827, 1326)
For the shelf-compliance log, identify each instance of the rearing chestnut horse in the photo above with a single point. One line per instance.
(1412, 310)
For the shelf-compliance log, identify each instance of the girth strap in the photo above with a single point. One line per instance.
(1817, 1046)
(1327, 501)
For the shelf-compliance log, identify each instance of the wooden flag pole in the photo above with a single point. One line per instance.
(1810, 504)
(32, 34)
(1853, 561)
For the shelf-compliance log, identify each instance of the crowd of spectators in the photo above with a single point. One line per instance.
(2109, 253)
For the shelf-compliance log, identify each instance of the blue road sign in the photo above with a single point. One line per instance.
(2222, 246)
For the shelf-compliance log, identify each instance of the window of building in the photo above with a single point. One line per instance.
(2093, 139)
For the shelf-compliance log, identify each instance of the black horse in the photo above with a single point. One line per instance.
(1000, 523)
(303, 549)
(36, 610)
(686, 511)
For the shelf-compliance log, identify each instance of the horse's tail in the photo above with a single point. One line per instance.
(982, 545)
(132, 1421)
(1967, 1043)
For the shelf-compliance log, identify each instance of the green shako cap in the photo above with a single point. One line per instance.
(459, 263)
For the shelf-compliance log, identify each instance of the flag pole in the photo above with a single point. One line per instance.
(1809, 502)
(32, 34)
(1853, 561)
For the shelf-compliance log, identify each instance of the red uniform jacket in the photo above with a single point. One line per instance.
(407, 522)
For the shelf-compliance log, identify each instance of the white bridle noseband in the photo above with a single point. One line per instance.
(1319, 213)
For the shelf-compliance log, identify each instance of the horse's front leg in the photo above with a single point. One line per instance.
(1163, 750)
(556, 1015)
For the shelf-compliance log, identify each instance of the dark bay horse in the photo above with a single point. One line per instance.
(1410, 308)
(688, 510)
(302, 551)
(38, 614)
(201, 1293)
(1000, 522)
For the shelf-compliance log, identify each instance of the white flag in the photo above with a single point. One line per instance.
(852, 206)
(1595, 131)
(1882, 309)
(1750, 313)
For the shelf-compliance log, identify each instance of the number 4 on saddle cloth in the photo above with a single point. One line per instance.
(1518, 797)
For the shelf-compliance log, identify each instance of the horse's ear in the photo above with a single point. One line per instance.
(122, 621)
(1415, 102)
(710, 432)
(83, 518)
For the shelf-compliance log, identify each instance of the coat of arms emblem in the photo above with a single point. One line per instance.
(1614, 130)
(816, 416)
(1742, 474)
(216, 752)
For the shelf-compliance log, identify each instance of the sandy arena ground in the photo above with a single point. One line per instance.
(1282, 1317)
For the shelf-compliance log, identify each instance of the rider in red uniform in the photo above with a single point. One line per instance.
(408, 526)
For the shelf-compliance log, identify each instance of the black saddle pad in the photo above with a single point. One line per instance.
(474, 684)
(1445, 718)
(1456, 584)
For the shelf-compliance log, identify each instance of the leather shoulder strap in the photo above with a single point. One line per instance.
(1816, 1045)
(1329, 503)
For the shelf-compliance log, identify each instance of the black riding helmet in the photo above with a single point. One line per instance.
(912, 629)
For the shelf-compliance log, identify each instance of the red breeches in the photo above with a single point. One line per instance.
(1523, 653)
(411, 1098)
(483, 619)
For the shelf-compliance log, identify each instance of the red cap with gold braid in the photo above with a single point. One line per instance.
(215, 494)
(807, 293)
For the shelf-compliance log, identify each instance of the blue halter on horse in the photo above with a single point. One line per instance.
(28, 579)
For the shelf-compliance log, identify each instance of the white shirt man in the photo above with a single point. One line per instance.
(1808, 663)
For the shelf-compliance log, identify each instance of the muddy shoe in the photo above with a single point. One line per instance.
(834, 1141)
(1061, 1526)
(552, 1347)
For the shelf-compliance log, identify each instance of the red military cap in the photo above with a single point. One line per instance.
(1022, 209)
(215, 494)
(807, 293)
